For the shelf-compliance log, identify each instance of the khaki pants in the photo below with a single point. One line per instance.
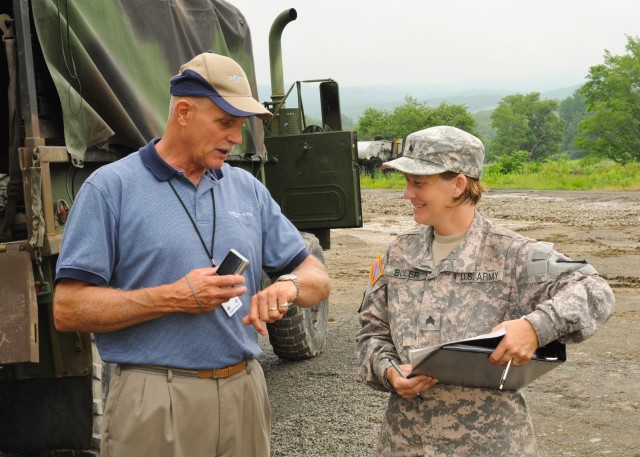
(166, 415)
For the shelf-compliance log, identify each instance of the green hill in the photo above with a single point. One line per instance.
(354, 100)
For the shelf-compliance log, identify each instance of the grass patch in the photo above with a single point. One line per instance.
(558, 175)
(380, 180)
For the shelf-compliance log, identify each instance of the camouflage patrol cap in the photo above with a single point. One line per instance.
(222, 80)
(439, 149)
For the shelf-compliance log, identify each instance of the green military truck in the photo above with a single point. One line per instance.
(84, 83)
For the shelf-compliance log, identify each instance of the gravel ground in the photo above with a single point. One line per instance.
(588, 407)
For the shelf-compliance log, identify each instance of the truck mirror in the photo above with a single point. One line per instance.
(330, 105)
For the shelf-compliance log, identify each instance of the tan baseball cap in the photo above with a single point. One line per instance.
(438, 149)
(222, 80)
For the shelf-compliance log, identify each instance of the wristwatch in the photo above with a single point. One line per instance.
(291, 277)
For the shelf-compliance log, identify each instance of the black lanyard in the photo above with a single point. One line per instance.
(213, 231)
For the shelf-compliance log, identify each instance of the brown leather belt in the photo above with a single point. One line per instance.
(215, 373)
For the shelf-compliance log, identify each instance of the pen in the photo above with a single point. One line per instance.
(505, 373)
(503, 378)
(401, 373)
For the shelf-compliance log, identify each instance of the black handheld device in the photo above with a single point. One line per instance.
(233, 264)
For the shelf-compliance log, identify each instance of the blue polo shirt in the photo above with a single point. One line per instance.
(128, 230)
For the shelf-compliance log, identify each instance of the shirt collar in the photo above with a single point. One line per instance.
(161, 169)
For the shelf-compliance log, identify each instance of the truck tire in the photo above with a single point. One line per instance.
(101, 377)
(302, 332)
(66, 399)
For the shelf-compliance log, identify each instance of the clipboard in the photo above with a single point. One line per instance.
(465, 363)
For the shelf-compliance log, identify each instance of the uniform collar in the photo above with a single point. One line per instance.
(466, 255)
(161, 169)
(462, 258)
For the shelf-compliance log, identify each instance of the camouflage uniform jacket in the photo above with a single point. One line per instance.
(492, 276)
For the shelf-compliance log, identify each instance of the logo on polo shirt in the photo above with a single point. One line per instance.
(241, 214)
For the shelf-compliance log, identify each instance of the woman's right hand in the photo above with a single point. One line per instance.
(409, 388)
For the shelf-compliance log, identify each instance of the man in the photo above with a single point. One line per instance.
(455, 276)
(137, 268)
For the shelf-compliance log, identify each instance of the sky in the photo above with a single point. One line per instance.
(494, 44)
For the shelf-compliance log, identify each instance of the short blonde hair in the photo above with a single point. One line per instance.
(471, 194)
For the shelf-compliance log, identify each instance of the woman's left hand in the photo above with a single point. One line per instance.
(518, 344)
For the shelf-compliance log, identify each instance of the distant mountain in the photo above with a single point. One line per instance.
(354, 100)
(562, 93)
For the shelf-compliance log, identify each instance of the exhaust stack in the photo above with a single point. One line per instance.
(275, 54)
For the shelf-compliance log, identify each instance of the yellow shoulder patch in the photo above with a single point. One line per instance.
(376, 271)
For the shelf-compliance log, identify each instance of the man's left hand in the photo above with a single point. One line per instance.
(270, 305)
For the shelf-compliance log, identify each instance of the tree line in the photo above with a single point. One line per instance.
(601, 120)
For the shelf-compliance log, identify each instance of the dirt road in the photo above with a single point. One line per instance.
(588, 407)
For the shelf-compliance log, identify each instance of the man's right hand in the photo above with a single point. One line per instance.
(201, 290)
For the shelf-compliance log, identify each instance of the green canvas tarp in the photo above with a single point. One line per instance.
(111, 62)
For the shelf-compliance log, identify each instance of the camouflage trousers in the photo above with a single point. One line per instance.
(457, 421)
